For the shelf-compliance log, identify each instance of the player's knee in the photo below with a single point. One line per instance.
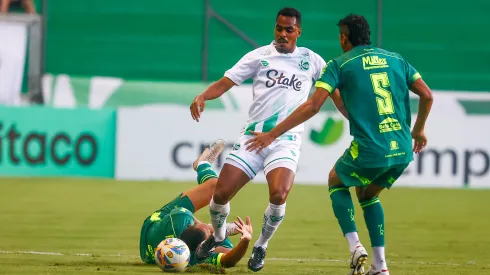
(333, 178)
(367, 194)
(279, 196)
(364, 197)
(221, 197)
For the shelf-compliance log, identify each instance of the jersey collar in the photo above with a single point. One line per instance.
(295, 52)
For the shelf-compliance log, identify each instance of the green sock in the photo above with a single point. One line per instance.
(343, 208)
(205, 172)
(375, 221)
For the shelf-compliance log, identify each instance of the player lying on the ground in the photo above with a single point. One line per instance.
(176, 219)
(283, 75)
(374, 85)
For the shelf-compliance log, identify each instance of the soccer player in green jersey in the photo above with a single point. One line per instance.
(374, 89)
(176, 219)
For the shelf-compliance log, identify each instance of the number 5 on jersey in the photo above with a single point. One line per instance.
(381, 83)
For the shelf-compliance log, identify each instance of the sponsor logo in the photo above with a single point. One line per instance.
(389, 125)
(38, 148)
(465, 164)
(330, 133)
(284, 81)
(374, 62)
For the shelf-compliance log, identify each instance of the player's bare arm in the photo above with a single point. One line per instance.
(4, 6)
(420, 88)
(304, 112)
(214, 91)
(29, 6)
(232, 257)
(339, 103)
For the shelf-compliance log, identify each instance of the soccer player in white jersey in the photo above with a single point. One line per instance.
(283, 75)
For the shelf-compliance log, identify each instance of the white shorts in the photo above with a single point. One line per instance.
(281, 153)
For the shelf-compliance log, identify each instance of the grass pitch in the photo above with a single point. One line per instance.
(68, 226)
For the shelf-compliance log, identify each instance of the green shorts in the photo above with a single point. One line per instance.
(353, 175)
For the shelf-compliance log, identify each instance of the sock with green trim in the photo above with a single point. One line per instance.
(205, 172)
(343, 208)
(375, 221)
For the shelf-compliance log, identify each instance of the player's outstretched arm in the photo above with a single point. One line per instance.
(304, 112)
(232, 257)
(420, 88)
(339, 103)
(214, 91)
(4, 6)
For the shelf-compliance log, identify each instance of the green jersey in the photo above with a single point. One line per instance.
(160, 226)
(169, 222)
(374, 84)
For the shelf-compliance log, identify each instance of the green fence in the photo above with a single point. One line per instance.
(164, 40)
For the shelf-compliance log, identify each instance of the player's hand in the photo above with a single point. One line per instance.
(197, 107)
(420, 141)
(245, 228)
(259, 142)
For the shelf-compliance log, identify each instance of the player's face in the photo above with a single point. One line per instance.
(286, 33)
(344, 40)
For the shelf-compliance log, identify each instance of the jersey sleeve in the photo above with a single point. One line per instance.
(214, 259)
(412, 74)
(180, 218)
(329, 78)
(318, 64)
(244, 69)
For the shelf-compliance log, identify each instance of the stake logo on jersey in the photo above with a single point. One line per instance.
(281, 83)
(282, 80)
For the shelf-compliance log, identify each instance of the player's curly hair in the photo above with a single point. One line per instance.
(290, 12)
(358, 30)
(193, 237)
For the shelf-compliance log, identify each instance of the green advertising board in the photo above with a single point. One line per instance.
(43, 141)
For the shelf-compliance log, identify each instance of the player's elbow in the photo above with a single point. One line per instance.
(427, 96)
(228, 262)
(312, 108)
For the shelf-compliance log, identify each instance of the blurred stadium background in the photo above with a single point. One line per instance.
(95, 130)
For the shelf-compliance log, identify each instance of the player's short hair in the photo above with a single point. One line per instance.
(290, 12)
(193, 237)
(359, 32)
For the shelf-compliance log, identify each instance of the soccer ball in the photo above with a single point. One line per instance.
(172, 255)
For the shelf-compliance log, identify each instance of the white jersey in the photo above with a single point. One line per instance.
(281, 83)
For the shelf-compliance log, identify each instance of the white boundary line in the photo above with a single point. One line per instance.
(269, 259)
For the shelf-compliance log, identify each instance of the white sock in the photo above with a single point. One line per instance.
(273, 216)
(219, 213)
(353, 240)
(379, 260)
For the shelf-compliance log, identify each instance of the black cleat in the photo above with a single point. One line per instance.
(206, 248)
(256, 261)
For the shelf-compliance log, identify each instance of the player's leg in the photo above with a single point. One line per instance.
(240, 167)
(374, 218)
(279, 167)
(374, 215)
(340, 179)
(206, 176)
